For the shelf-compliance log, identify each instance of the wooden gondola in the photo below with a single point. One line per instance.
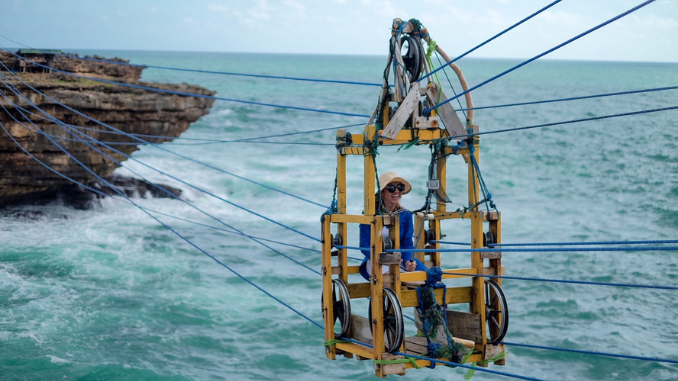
(378, 334)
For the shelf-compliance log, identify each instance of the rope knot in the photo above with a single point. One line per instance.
(433, 276)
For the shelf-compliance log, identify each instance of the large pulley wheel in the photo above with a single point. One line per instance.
(496, 312)
(413, 56)
(341, 307)
(394, 327)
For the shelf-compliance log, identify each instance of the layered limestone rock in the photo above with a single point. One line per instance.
(134, 111)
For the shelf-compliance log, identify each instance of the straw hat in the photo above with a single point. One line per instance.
(392, 177)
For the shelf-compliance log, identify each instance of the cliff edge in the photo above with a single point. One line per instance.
(134, 111)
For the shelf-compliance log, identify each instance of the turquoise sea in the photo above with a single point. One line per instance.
(109, 294)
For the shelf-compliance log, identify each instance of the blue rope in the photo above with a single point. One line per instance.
(452, 364)
(541, 55)
(156, 219)
(162, 148)
(225, 72)
(568, 281)
(538, 250)
(452, 243)
(208, 141)
(571, 98)
(117, 162)
(351, 247)
(293, 309)
(120, 164)
(191, 94)
(656, 359)
(232, 231)
(586, 243)
(560, 123)
(492, 38)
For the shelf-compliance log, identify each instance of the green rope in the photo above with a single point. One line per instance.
(409, 144)
(494, 358)
(432, 45)
(329, 343)
(398, 361)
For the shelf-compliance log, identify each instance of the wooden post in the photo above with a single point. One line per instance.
(478, 305)
(495, 229)
(377, 292)
(395, 269)
(435, 257)
(370, 134)
(328, 311)
(478, 283)
(441, 206)
(342, 228)
(420, 237)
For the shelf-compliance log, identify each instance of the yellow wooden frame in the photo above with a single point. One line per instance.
(474, 294)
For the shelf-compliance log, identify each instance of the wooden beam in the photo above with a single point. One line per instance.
(352, 218)
(446, 112)
(364, 352)
(403, 113)
(328, 308)
(465, 325)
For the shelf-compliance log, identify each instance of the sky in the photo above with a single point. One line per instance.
(360, 27)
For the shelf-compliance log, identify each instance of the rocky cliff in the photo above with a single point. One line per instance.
(135, 111)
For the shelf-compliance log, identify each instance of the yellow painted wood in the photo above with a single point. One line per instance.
(435, 257)
(356, 349)
(441, 174)
(394, 233)
(327, 287)
(405, 136)
(478, 283)
(421, 275)
(353, 151)
(342, 228)
(369, 181)
(351, 218)
(377, 291)
(460, 151)
(337, 270)
(495, 229)
(455, 295)
(419, 237)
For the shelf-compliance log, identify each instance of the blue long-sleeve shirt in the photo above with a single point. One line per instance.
(406, 233)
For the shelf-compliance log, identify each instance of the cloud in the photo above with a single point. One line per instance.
(153, 10)
(294, 9)
(218, 8)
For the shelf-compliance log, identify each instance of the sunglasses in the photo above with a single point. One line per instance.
(392, 188)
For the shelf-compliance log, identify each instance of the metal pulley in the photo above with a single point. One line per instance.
(336, 240)
(388, 243)
(413, 56)
(488, 239)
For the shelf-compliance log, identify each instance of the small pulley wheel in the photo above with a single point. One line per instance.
(336, 240)
(388, 243)
(430, 235)
(341, 307)
(496, 312)
(488, 239)
(394, 327)
(413, 56)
